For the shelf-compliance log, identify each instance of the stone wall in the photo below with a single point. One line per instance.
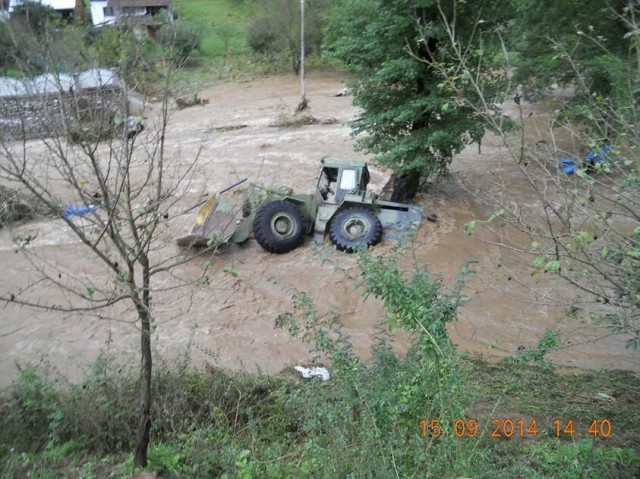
(59, 114)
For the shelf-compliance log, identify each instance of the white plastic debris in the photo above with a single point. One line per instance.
(307, 373)
(604, 397)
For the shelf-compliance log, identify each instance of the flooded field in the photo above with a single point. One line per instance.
(230, 318)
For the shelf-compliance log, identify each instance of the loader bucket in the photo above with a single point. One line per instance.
(211, 203)
(399, 220)
(215, 224)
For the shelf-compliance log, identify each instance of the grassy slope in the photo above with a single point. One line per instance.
(256, 429)
(209, 14)
(546, 395)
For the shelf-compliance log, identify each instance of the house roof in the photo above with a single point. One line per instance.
(60, 4)
(53, 83)
(11, 87)
(98, 77)
(138, 3)
(49, 83)
(55, 4)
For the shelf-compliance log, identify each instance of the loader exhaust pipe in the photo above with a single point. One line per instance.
(202, 202)
(237, 183)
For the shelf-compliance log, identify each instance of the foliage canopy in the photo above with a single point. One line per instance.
(593, 32)
(410, 122)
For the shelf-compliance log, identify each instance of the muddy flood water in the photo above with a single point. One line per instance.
(230, 319)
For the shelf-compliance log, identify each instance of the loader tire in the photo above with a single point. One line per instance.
(279, 226)
(354, 227)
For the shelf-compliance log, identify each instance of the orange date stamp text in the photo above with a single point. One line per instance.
(508, 428)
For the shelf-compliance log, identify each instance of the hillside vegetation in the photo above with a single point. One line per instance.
(364, 423)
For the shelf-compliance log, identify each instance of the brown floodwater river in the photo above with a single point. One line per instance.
(230, 319)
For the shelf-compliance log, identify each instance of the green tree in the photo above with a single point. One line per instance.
(181, 38)
(96, 158)
(592, 242)
(40, 18)
(277, 29)
(410, 122)
(27, 35)
(7, 59)
(581, 228)
(592, 31)
(35, 36)
(114, 46)
(225, 32)
(261, 38)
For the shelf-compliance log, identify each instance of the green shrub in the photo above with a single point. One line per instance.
(41, 19)
(181, 39)
(262, 38)
(27, 410)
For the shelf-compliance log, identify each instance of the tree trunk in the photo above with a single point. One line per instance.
(402, 188)
(295, 57)
(144, 416)
(295, 64)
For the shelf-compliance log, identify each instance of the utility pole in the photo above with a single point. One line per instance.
(302, 83)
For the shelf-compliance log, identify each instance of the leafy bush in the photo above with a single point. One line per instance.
(114, 46)
(40, 18)
(381, 403)
(210, 423)
(6, 46)
(27, 412)
(29, 39)
(262, 38)
(181, 39)
(15, 207)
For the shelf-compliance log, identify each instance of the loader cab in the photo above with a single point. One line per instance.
(340, 177)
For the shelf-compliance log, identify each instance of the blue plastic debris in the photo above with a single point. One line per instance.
(568, 166)
(593, 158)
(71, 211)
(598, 155)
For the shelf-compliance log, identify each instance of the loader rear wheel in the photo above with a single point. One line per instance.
(355, 227)
(279, 226)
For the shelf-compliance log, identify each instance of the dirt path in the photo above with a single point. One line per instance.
(231, 319)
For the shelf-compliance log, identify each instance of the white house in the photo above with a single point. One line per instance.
(109, 12)
(101, 14)
(4, 9)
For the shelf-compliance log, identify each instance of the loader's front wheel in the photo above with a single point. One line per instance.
(355, 227)
(279, 226)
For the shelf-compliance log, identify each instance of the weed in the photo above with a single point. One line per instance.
(162, 458)
(231, 270)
